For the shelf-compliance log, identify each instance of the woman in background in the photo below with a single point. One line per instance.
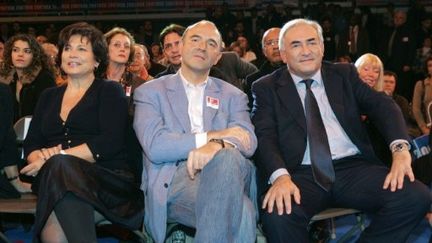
(121, 55)
(140, 62)
(422, 98)
(75, 146)
(371, 71)
(26, 70)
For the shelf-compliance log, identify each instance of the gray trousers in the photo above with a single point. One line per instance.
(218, 201)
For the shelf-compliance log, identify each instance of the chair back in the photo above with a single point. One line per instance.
(21, 127)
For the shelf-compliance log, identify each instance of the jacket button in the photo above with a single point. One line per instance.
(165, 185)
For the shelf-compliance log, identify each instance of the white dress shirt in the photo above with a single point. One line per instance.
(195, 96)
(340, 144)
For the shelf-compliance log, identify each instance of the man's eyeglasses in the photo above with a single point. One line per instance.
(271, 43)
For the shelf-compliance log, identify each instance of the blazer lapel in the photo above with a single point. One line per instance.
(333, 85)
(213, 92)
(290, 98)
(179, 104)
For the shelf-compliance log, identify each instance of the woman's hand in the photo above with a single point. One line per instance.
(37, 159)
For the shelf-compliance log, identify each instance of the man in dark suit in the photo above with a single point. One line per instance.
(398, 53)
(270, 47)
(302, 176)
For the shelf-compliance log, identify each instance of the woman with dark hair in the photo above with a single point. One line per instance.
(25, 69)
(422, 97)
(2, 45)
(75, 146)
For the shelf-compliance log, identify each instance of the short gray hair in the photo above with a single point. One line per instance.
(295, 22)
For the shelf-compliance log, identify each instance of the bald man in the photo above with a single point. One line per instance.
(196, 134)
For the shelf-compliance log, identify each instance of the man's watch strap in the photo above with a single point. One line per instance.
(399, 147)
(219, 141)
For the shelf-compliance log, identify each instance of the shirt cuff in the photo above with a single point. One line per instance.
(200, 139)
(400, 141)
(276, 174)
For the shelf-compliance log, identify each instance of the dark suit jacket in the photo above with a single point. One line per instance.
(234, 68)
(8, 148)
(362, 43)
(403, 49)
(280, 123)
(30, 93)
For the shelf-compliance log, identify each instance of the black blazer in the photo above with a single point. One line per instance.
(280, 123)
(30, 93)
(8, 148)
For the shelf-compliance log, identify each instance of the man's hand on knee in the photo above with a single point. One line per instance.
(198, 158)
(401, 167)
(280, 194)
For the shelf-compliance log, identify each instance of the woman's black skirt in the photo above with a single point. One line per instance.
(112, 193)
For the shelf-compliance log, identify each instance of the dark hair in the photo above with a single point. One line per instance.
(172, 28)
(390, 73)
(121, 31)
(94, 36)
(39, 60)
(426, 66)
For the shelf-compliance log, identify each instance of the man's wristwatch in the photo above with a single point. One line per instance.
(219, 141)
(399, 147)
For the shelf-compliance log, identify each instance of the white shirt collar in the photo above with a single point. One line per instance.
(317, 77)
(187, 84)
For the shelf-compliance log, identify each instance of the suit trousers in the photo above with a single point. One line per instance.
(359, 185)
(216, 202)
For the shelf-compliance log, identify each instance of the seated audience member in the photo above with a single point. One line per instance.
(371, 70)
(76, 142)
(52, 53)
(389, 87)
(170, 39)
(196, 134)
(154, 67)
(314, 152)
(422, 54)
(8, 148)
(41, 39)
(156, 53)
(26, 70)
(422, 98)
(235, 47)
(138, 66)
(344, 59)
(121, 54)
(270, 48)
(248, 55)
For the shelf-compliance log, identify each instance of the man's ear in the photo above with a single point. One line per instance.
(283, 55)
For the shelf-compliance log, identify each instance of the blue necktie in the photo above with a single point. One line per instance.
(322, 164)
